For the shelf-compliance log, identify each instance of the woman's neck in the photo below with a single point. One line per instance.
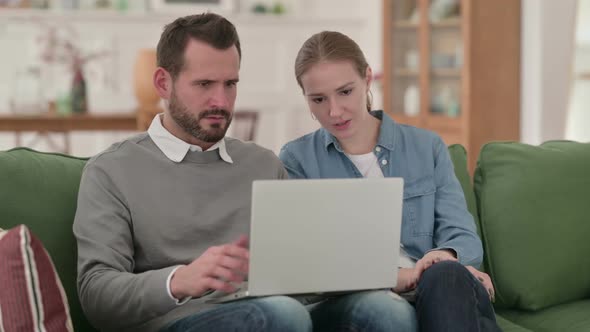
(365, 138)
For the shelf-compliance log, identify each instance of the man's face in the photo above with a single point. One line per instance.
(204, 92)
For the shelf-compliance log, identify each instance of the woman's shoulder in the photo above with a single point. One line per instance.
(305, 142)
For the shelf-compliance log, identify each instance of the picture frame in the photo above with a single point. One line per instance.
(192, 6)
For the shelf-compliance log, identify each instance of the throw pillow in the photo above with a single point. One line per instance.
(31, 294)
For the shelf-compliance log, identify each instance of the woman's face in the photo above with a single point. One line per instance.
(337, 96)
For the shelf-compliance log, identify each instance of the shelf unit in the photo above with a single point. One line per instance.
(464, 61)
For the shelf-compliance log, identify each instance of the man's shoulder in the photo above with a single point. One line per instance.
(118, 151)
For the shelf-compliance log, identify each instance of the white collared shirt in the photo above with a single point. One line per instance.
(176, 149)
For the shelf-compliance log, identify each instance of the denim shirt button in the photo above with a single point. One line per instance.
(378, 149)
(383, 162)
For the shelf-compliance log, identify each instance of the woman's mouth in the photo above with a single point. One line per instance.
(342, 125)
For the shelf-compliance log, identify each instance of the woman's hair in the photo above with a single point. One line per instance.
(330, 46)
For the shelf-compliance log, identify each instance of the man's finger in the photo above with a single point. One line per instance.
(235, 251)
(216, 284)
(233, 263)
(243, 241)
(226, 274)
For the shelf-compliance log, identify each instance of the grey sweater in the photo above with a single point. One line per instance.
(140, 215)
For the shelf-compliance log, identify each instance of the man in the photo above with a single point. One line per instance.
(162, 215)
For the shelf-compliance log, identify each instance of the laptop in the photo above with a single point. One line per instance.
(322, 236)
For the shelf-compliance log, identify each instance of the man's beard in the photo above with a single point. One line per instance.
(190, 124)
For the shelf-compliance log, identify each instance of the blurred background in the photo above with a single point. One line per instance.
(76, 74)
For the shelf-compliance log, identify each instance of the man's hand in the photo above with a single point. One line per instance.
(406, 280)
(485, 279)
(214, 269)
(433, 257)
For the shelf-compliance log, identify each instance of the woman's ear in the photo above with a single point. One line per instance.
(369, 77)
(163, 83)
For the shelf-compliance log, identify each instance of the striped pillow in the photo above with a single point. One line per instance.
(31, 295)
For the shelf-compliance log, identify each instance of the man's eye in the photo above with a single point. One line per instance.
(317, 100)
(205, 84)
(233, 83)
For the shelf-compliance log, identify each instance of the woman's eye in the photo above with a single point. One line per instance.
(317, 100)
(346, 92)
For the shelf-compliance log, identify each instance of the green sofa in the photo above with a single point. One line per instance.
(531, 205)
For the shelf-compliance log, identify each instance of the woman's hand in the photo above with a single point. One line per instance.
(485, 279)
(406, 280)
(433, 257)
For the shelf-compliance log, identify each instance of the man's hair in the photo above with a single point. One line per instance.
(210, 28)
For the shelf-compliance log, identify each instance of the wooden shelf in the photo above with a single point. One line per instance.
(442, 122)
(447, 23)
(401, 117)
(406, 24)
(488, 85)
(409, 25)
(447, 72)
(406, 72)
(55, 123)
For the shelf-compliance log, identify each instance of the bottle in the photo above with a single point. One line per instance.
(412, 101)
(78, 95)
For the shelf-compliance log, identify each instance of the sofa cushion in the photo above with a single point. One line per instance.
(459, 158)
(534, 210)
(31, 295)
(508, 326)
(40, 190)
(571, 317)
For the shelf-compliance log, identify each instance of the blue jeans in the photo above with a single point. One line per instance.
(450, 298)
(363, 311)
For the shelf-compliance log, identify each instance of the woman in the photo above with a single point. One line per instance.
(440, 246)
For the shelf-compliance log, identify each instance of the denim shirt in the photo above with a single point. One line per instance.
(434, 213)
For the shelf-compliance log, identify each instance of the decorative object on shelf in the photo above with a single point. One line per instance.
(443, 9)
(78, 94)
(412, 100)
(442, 60)
(102, 4)
(259, 8)
(278, 8)
(192, 6)
(147, 97)
(58, 46)
(15, 3)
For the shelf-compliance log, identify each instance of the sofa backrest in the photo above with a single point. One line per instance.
(534, 210)
(40, 190)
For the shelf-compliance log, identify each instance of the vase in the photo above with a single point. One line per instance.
(147, 97)
(78, 94)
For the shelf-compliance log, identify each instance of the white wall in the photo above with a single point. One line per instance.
(546, 63)
(578, 120)
(267, 83)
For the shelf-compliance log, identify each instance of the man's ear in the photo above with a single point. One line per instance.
(163, 83)
(369, 77)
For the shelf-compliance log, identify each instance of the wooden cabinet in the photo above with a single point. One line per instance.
(453, 67)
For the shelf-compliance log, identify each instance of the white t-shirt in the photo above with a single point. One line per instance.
(369, 167)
